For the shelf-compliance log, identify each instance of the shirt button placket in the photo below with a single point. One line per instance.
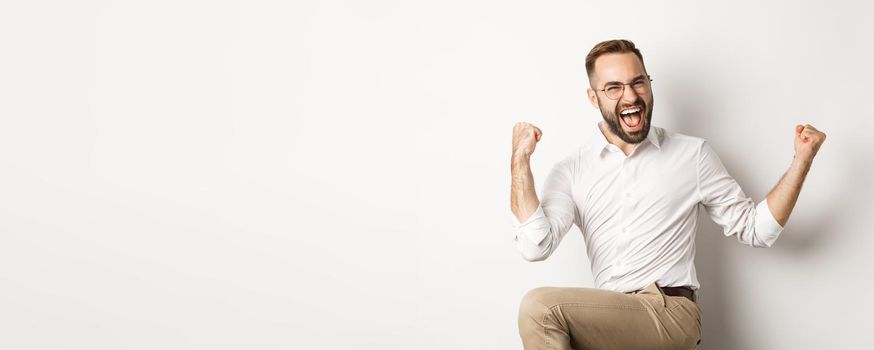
(622, 241)
(626, 202)
(626, 209)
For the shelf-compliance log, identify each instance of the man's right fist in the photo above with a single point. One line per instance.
(525, 137)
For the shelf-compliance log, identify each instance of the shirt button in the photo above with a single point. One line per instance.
(624, 229)
(627, 194)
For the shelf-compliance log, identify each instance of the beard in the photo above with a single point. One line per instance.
(633, 137)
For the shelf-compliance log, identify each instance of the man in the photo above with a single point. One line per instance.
(634, 193)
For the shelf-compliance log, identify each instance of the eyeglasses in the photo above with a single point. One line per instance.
(615, 90)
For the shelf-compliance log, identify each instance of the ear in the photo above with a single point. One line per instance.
(593, 98)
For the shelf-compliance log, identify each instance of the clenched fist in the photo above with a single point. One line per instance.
(525, 137)
(807, 141)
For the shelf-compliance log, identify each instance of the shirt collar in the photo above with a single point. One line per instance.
(600, 141)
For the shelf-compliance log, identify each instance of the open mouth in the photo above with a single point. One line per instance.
(632, 117)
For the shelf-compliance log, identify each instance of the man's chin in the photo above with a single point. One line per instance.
(636, 136)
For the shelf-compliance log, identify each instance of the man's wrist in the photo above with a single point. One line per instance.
(802, 163)
(521, 157)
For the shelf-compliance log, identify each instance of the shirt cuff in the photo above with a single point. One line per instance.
(767, 227)
(535, 228)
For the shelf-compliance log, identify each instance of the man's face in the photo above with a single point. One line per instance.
(615, 69)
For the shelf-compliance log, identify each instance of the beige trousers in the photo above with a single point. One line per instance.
(589, 318)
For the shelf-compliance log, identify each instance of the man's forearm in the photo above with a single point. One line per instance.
(781, 199)
(523, 198)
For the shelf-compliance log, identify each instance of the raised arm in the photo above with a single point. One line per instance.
(540, 223)
(523, 198)
(757, 225)
(782, 198)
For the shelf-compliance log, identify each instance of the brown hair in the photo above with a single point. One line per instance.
(610, 46)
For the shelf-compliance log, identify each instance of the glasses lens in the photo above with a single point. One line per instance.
(614, 92)
(641, 87)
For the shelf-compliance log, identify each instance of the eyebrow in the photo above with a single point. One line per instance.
(619, 82)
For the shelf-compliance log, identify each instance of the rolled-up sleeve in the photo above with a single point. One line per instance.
(728, 205)
(540, 234)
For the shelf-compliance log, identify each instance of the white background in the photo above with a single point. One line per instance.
(335, 175)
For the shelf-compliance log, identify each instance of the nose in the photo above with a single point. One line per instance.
(629, 95)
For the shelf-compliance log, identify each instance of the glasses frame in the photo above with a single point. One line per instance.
(604, 90)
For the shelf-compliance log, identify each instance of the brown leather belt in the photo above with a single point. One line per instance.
(680, 292)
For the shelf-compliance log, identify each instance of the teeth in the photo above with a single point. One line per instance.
(627, 111)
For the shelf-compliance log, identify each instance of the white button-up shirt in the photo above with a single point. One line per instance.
(639, 213)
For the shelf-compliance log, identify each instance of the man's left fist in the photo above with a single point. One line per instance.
(807, 141)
